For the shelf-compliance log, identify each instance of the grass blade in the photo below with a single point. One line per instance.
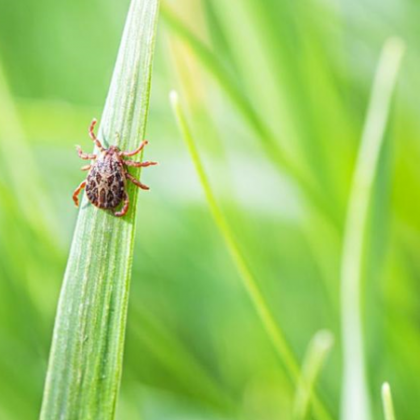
(24, 179)
(355, 400)
(273, 331)
(318, 351)
(387, 402)
(86, 356)
(235, 93)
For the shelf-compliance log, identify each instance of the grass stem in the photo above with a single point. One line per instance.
(316, 355)
(387, 402)
(85, 364)
(355, 395)
(272, 329)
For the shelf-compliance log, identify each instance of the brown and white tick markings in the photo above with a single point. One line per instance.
(106, 181)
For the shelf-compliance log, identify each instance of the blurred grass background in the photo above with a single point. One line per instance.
(277, 93)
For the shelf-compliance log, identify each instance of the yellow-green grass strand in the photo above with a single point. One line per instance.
(23, 177)
(270, 144)
(86, 356)
(355, 395)
(26, 206)
(318, 351)
(388, 405)
(272, 329)
(318, 205)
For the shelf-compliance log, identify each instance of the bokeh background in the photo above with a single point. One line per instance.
(277, 92)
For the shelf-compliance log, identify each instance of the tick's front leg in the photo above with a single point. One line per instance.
(134, 152)
(77, 192)
(144, 164)
(124, 210)
(85, 156)
(93, 136)
(135, 181)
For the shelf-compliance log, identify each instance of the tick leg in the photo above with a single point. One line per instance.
(85, 156)
(124, 210)
(135, 181)
(85, 168)
(134, 152)
(139, 164)
(77, 192)
(93, 136)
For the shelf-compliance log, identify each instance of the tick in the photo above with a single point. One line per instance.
(107, 178)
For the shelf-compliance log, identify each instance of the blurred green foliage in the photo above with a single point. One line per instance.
(277, 93)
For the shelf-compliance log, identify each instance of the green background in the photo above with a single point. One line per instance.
(266, 82)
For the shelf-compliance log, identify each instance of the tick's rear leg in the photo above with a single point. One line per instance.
(135, 181)
(93, 136)
(134, 152)
(85, 156)
(124, 210)
(144, 164)
(86, 168)
(77, 192)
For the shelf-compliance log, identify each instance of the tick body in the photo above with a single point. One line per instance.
(106, 181)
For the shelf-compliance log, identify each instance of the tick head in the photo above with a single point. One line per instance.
(112, 150)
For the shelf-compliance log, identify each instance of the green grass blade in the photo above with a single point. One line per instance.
(271, 144)
(86, 356)
(387, 402)
(317, 353)
(355, 399)
(23, 178)
(272, 329)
